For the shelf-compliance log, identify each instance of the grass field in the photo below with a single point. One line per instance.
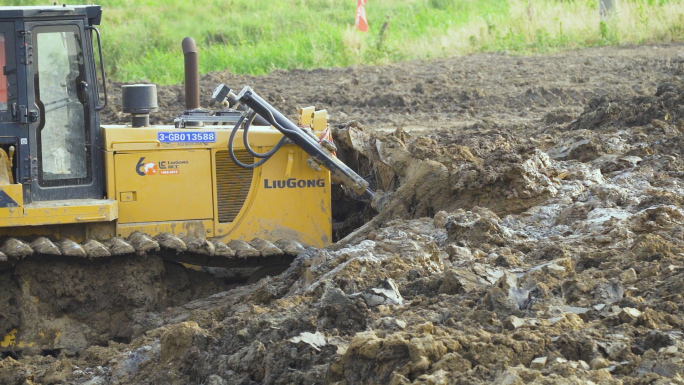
(142, 38)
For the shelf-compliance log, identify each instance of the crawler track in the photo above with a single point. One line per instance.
(196, 251)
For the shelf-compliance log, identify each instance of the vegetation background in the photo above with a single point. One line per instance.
(141, 39)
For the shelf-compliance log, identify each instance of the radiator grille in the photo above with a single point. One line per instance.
(232, 184)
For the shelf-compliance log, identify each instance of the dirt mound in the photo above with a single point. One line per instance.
(665, 106)
(77, 304)
(444, 93)
(477, 166)
(533, 233)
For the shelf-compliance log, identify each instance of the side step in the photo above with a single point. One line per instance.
(60, 212)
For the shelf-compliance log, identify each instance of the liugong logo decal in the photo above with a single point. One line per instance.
(294, 183)
(164, 167)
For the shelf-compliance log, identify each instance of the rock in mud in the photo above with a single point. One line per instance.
(177, 340)
(388, 294)
(458, 281)
(315, 340)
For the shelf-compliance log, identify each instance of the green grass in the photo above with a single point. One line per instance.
(141, 39)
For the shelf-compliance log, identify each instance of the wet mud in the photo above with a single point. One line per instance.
(532, 231)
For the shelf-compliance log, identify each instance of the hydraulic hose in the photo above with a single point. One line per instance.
(249, 114)
(339, 171)
(241, 107)
(245, 130)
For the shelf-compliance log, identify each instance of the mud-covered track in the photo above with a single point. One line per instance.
(196, 251)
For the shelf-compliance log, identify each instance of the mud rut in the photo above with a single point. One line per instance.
(533, 232)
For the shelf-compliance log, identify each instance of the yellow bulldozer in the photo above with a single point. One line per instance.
(234, 187)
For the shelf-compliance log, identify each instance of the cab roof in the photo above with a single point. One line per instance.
(92, 12)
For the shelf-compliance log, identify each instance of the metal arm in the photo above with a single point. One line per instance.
(339, 171)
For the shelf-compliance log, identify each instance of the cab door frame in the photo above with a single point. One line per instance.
(91, 186)
(13, 125)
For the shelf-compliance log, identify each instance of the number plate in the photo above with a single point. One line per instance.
(186, 137)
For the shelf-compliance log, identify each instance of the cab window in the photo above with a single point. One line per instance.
(60, 92)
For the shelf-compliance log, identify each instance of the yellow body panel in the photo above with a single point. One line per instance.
(14, 192)
(319, 120)
(160, 186)
(155, 187)
(200, 229)
(277, 208)
(110, 176)
(273, 209)
(305, 115)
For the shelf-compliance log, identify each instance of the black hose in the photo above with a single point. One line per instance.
(338, 170)
(248, 123)
(266, 156)
(241, 107)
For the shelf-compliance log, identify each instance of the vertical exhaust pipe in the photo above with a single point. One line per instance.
(191, 74)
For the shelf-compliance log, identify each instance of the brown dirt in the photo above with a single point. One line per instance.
(75, 304)
(534, 233)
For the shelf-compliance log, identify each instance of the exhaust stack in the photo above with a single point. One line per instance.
(191, 74)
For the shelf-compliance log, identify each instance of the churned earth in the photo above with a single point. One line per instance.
(532, 232)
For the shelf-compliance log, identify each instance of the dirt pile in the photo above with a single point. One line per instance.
(75, 304)
(539, 242)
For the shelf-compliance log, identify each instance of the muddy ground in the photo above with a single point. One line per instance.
(533, 233)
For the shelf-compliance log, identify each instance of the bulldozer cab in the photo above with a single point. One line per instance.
(49, 125)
